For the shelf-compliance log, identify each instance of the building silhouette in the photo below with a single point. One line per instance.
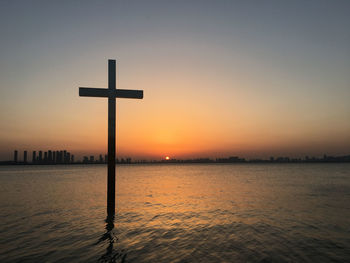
(25, 156)
(49, 160)
(44, 157)
(15, 156)
(57, 156)
(34, 157)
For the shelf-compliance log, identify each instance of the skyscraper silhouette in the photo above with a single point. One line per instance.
(15, 157)
(49, 157)
(57, 156)
(68, 157)
(34, 157)
(40, 156)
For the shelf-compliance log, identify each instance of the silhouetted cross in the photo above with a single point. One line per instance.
(111, 93)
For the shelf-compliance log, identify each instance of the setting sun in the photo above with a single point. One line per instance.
(167, 158)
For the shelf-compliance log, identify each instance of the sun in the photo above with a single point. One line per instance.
(167, 158)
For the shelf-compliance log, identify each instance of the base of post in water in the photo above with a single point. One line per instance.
(111, 210)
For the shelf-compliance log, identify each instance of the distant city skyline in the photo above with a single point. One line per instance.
(65, 157)
(221, 78)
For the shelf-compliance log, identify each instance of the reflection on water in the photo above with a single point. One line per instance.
(111, 255)
(176, 213)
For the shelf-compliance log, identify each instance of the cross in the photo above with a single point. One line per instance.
(111, 93)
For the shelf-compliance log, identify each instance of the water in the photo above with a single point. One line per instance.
(176, 213)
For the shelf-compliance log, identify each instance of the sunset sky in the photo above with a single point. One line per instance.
(220, 78)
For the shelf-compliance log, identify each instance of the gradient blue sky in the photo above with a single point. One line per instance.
(248, 78)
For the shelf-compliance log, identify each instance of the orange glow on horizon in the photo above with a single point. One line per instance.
(239, 121)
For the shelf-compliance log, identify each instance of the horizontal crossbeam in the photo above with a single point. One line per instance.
(118, 93)
(129, 94)
(93, 92)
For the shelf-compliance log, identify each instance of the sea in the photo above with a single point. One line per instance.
(176, 213)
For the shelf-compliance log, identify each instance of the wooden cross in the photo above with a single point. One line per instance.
(111, 93)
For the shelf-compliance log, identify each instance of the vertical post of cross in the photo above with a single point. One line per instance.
(111, 138)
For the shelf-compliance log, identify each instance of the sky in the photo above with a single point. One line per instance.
(221, 78)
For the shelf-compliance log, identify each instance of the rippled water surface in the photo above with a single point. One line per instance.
(176, 213)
